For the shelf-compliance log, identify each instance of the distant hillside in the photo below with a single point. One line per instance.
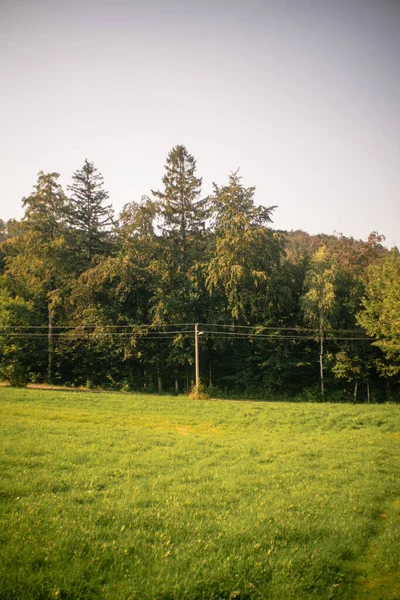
(300, 245)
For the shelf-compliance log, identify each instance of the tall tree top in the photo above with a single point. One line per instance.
(233, 206)
(45, 208)
(181, 208)
(87, 198)
(87, 214)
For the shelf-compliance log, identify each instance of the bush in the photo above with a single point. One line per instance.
(14, 373)
(199, 394)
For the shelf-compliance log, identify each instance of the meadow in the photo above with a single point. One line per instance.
(122, 496)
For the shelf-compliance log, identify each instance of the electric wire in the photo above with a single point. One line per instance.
(143, 326)
(277, 327)
(80, 333)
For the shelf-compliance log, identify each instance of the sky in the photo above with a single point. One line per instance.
(303, 96)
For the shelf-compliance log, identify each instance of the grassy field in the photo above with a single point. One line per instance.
(117, 496)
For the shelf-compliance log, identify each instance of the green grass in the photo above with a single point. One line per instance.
(117, 496)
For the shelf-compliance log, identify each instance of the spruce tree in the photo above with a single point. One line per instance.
(182, 211)
(88, 216)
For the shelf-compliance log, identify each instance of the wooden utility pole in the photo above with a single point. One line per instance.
(196, 356)
(50, 345)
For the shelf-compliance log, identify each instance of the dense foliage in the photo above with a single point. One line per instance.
(90, 299)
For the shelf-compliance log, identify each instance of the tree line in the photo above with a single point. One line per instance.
(88, 298)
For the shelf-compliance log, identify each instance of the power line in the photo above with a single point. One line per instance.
(188, 334)
(148, 332)
(276, 328)
(94, 335)
(153, 328)
(143, 327)
(288, 337)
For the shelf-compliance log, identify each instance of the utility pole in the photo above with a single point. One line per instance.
(196, 356)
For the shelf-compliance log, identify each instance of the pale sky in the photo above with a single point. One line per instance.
(302, 95)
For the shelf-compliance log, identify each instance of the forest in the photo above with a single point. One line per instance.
(88, 298)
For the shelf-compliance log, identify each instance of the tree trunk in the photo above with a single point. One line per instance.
(50, 347)
(210, 344)
(355, 390)
(368, 392)
(176, 385)
(159, 384)
(321, 361)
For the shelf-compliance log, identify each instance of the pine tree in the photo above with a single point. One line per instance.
(87, 215)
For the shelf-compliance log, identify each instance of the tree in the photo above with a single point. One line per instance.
(116, 291)
(319, 298)
(243, 279)
(137, 220)
(45, 208)
(233, 207)
(3, 230)
(182, 211)
(87, 215)
(3, 237)
(380, 316)
(111, 293)
(247, 253)
(36, 255)
(179, 292)
(21, 353)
